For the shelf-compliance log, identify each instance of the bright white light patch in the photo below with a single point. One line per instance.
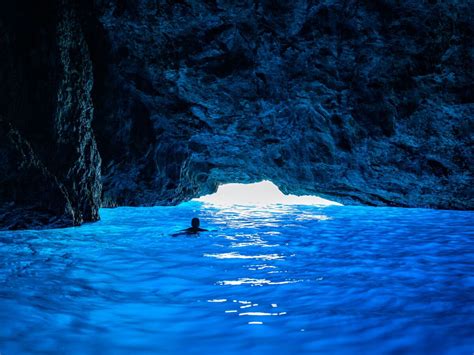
(260, 193)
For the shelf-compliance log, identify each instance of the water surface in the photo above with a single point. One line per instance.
(279, 280)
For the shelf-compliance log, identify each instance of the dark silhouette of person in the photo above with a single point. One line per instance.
(194, 229)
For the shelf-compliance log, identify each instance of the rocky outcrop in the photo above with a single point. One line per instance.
(366, 102)
(362, 102)
(78, 160)
(50, 164)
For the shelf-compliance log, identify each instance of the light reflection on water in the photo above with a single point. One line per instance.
(285, 279)
(254, 282)
(235, 255)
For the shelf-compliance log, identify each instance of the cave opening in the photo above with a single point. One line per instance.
(261, 193)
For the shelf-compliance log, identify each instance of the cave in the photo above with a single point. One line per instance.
(112, 103)
(236, 176)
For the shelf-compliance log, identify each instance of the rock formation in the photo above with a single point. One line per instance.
(362, 102)
(359, 101)
(50, 164)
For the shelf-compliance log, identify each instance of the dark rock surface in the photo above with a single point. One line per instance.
(366, 102)
(362, 102)
(31, 196)
(50, 164)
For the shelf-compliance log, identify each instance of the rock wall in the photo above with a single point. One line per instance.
(362, 102)
(50, 164)
(366, 102)
(32, 197)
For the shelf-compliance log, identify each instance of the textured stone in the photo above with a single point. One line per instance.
(362, 102)
(365, 102)
(53, 166)
(31, 197)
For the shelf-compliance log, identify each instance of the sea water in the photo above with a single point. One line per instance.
(273, 280)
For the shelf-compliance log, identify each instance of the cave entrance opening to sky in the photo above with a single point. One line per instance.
(259, 194)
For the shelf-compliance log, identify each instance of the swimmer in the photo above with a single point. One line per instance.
(194, 229)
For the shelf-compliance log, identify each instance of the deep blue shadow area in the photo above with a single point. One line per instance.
(279, 280)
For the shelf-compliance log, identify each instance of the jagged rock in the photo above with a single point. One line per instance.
(362, 102)
(366, 102)
(51, 175)
(31, 196)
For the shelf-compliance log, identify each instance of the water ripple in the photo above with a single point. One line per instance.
(287, 279)
(234, 255)
(254, 282)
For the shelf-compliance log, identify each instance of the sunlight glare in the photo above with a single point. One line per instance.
(257, 194)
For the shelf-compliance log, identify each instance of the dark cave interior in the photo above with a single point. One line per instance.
(115, 102)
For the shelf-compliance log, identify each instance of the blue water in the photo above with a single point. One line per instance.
(281, 280)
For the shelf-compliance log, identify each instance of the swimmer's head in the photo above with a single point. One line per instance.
(195, 222)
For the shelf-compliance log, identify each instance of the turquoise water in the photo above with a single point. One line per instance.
(280, 280)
